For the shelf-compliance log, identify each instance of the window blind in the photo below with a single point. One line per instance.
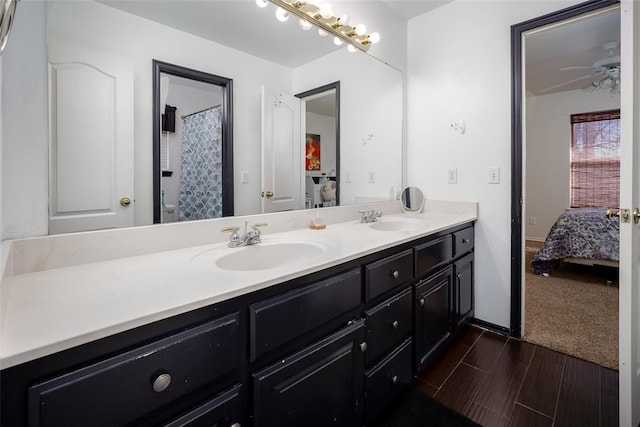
(595, 159)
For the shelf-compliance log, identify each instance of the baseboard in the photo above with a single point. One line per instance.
(491, 326)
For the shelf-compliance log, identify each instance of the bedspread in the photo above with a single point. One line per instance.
(584, 233)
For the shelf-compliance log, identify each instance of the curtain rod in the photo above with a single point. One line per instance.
(201, 111)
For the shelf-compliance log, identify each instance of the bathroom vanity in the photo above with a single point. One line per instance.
(330, 342)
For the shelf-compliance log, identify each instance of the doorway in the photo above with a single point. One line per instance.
(215, 106)
(322, 145)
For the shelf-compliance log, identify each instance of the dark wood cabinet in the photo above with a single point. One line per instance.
(463, 270)
(329, 348)
(433, 314)
(320, 385)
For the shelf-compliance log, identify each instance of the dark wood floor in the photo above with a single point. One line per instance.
(500, 381)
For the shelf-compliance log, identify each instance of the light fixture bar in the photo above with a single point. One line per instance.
(311, 13)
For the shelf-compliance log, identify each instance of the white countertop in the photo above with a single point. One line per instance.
(44, 312)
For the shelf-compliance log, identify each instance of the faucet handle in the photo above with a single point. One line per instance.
(254, 227)
(235, 236)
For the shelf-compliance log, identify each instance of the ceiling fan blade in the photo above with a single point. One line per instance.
(568, 82)
(590, 67)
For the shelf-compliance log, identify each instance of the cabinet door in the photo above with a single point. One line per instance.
(320, 385)
(225, 410)
(464, 289)
(433, 313)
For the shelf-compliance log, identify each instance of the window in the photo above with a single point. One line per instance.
(595, 159)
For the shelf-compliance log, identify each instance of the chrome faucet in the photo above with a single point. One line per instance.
(250, 237)
(371, 215)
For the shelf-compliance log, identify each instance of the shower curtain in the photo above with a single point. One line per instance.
(201, 177)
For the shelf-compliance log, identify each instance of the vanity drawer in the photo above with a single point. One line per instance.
(388, 273)
(223, 410)
(463, 241)
(278, 320)
(122, 389)
(433, 254)
(385, 380)
(388, 323)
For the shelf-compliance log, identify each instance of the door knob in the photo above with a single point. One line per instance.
(636, 215)
(125, 201)
(268, 194)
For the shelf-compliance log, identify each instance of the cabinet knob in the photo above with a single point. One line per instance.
(236, 425)
(161, 383)
(395, 324)
(395, 274)
(363, 347)
(459, 275)
(465, 241)
(422, 302)
(394, 379)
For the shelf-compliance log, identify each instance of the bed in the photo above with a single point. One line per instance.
(583, 235)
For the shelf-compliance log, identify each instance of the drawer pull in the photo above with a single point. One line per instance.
(422, 302)
(363, 347)
(394, 379)
(161, 383)
(465, 241)
(395, 324)
(395, 274)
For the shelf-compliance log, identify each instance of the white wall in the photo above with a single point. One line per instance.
(25, 130)
(459, 69)
(547, 153)
(325, 126)
(378, 116)
(187, 100)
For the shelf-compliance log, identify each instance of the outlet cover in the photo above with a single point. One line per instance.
(452, 176)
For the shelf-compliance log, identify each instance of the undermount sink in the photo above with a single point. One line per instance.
(265, 255)
(399, 224)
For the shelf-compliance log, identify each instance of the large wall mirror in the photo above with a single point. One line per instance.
(263, 60)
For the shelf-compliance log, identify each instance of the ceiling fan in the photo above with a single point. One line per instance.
(605, 72)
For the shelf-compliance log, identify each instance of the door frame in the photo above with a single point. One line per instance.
(227, 132)
(318, 90)
(516, 144)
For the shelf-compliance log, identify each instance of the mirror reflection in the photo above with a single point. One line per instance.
(367, 160)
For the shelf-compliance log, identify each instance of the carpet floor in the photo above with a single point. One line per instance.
(573, 311)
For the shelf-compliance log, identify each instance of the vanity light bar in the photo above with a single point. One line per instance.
(311, 13)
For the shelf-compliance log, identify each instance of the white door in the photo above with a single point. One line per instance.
(90, 140)
(282, 159)
(630, 230)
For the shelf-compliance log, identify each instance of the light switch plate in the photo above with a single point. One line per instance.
(494, 175)
(452, 176)
(244, 177)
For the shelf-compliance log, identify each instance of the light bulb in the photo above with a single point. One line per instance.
(322, 33)
(374, 38)
(304, 24)
(344, 19)
(262, 3)
(337, 41)
(360, 29)
(282, 14)
(351, 48)
(326, 10)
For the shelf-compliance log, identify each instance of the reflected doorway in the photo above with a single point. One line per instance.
(322, 145)
(193, 145)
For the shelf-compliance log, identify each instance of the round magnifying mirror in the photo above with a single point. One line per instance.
(412, 200)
